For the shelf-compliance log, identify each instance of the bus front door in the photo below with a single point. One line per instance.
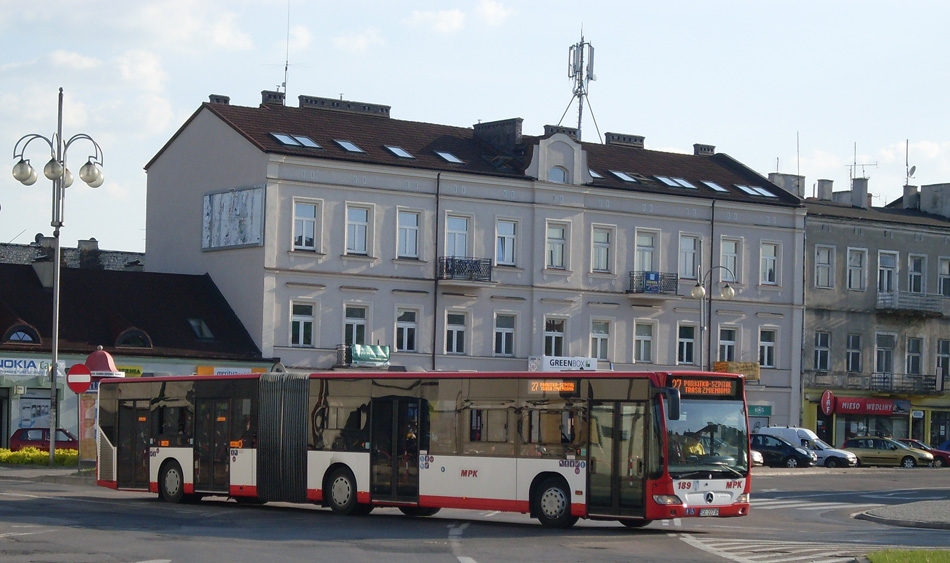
(618, 431)
(132, 447)
(212, 465)
(395, 433)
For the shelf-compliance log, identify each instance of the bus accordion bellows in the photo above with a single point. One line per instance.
(633, 447)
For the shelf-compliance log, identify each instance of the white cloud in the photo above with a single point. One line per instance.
(73, 61)
(492, 12)
(358, 42)
(226, 33)
(443, 21)
(300, 38)
(143, 69)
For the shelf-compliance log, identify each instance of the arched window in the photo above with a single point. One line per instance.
(133, 338)
(557, 175)
(22, 335)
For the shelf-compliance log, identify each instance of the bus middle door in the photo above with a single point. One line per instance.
(617, 463)
(395, 434)
(212, 431)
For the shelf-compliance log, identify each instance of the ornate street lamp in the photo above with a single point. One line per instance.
(62, 178)
(699, 292)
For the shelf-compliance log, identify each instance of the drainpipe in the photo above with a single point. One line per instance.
(435, 296)
(709, 301)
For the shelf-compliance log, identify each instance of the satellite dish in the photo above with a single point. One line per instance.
(912, 170)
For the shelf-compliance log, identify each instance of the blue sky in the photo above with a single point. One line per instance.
(801, 86)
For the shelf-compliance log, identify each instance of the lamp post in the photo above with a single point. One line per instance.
(699, 292)
(62, 178)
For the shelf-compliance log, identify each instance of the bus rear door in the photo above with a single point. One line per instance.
(395, 432)
(618, 432)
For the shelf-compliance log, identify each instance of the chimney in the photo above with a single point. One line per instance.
(825, 188)
(704, 150)
(911, 198)
(503, 135)
(89, 255)
(791, 183)
(219, 99)
(553, 129)
(859, 193)
(343, 105)
(271, 98)
(623, 140)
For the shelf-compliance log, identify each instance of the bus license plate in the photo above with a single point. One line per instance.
(709, 512)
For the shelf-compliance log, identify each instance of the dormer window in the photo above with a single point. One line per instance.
(557, 175)
(22, 335)
(133, 338)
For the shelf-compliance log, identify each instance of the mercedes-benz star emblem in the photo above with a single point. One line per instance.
(709, 498)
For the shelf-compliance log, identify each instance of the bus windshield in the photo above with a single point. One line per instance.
(710, 438)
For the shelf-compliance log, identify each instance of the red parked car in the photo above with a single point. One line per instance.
(941, 457)
(39, 438)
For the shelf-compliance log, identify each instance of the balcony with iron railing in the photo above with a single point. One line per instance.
(650, 284)
(909, 384)
(917, 304)
(464, 269)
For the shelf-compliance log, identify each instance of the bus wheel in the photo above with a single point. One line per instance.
(341, 492)
(635, 522)
(171, 484)
(415, 511)
(552, 504)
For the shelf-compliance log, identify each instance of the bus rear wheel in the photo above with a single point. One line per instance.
(341, 491)
(552, 504)
(171, 482)
(418, 511)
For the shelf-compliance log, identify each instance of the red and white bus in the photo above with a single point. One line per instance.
(632, 447)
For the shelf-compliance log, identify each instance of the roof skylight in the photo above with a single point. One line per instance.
(684, 183)
(747, 189)
(399, 151)
(594, 174)
(763, 191)
(348, 146)
(623, 176)
(306, 141)
(668, 181)
(286, 139)
(714, 186)
(449, 157)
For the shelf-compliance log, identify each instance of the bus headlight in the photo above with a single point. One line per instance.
(743, 498)
(667, 499)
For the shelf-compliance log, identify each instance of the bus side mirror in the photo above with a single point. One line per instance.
(672, 402)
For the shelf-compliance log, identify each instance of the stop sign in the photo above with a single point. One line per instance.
(79, 378)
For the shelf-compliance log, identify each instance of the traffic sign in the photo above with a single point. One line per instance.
(79, 378)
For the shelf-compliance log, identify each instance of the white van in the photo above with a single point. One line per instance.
(827, 455)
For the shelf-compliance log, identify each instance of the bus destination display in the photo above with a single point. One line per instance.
(704, 386)
(553, 386)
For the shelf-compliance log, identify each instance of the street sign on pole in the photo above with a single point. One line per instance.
(79, 378)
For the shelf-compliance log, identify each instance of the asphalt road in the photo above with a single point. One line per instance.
(801, 515)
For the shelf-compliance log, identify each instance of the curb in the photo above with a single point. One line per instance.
(901, 522)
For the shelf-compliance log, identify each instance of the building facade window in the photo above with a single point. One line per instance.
(884, 352)
(943, 276)
(557, 175)
(822, 351)
(857, 269)
(301, 324)
(824, 266)
(915, 355)
(768, 274)
(729, 259)
(408, 235)
(556, 255)
(767, 347)
(943, 358)
(887, 272)
(506, 233)
(643, 345)
(357, 230)
(455, 333)
(853, 353)
(727, 344)
(406, 329)
(690, 251)
(21, 334)
(600, 253)
(646, 251)
(505, 335)
(456, 236)
(600, 340)
(686, 345)
(916, 273)
(554, 337)
(305, 226)
(354, 325)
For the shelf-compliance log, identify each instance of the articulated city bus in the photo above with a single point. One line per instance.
(631, 447)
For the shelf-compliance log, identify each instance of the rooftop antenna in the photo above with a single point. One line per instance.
(287, 57)
(910, 169)
(581, 75)
(854, 164)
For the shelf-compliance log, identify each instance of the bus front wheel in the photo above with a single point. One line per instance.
(418, 511)
(171, 483)
(552, 504)
(635, 522)
(341, 491)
